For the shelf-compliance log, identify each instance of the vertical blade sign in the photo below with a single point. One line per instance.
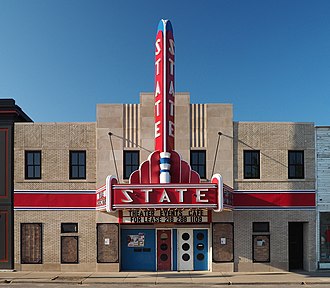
(164, 96)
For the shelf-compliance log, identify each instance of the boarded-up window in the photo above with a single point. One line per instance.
(4, 163)
(69, 249)
(107, 243)
(261, 251)
(4, 235)
(31, 243)
(223, 242)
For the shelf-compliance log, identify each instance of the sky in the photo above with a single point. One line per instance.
(269, 58)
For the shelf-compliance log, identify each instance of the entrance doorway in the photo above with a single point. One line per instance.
(192, 249)
(296, 246)
(164, 250)
(168, 249)
(200, 249)
(185, 250)
(138, 250)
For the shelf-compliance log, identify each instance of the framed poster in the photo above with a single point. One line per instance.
(135, 240)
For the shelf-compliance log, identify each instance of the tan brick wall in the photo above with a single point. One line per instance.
(51, 226)
(279, 239)
(55, 140)
(274, 140)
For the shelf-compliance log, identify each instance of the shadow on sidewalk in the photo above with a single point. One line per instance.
(313, 274)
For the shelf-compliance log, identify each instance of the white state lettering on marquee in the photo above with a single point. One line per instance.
(199, 195)
(157, 65)
(128, 198)
(170, 128)
(164, 197)
(171, 107)
(157, 92)
(171, 66)
(158, 49)
(146, 198)
(181, 194)
(171, 48)
(157, 107)
(171, 90)
(157, 129)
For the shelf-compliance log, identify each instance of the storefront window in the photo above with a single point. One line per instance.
(325, 237)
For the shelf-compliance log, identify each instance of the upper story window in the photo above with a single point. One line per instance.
(251, 164)
(77, 164)
(198, 162)
(32, 164)
(131, 162)
(296, 165)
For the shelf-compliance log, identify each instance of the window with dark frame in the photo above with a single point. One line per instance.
(77, 164)
(69, 227)
(251, 164)
(131, 162)
(260, 227)
(32, 164)
(296, 165)
(198, 162)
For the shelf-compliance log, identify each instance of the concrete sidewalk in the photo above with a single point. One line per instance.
(182, 278)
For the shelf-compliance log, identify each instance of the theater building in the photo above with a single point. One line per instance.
(162, 185)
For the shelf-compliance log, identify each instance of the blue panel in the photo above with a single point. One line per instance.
(160, 26)
(138, 258)
(167, 26)
(175, 250)
(200, 249)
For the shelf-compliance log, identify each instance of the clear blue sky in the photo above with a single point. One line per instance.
(269, 58)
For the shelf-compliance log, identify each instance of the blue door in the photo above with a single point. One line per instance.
(138, 251)
(200, 249)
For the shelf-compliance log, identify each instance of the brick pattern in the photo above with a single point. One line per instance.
(274, 140)
(55, 140)
(51, 242)
(278, 223)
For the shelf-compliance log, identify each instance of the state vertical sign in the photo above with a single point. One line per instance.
(164, 87)
(164, 97)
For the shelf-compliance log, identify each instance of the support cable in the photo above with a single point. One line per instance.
(216, 153)
(125, 139)
(113, 154)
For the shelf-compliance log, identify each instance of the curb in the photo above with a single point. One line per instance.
(21, 281)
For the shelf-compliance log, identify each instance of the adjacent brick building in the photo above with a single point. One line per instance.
(323, 199)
